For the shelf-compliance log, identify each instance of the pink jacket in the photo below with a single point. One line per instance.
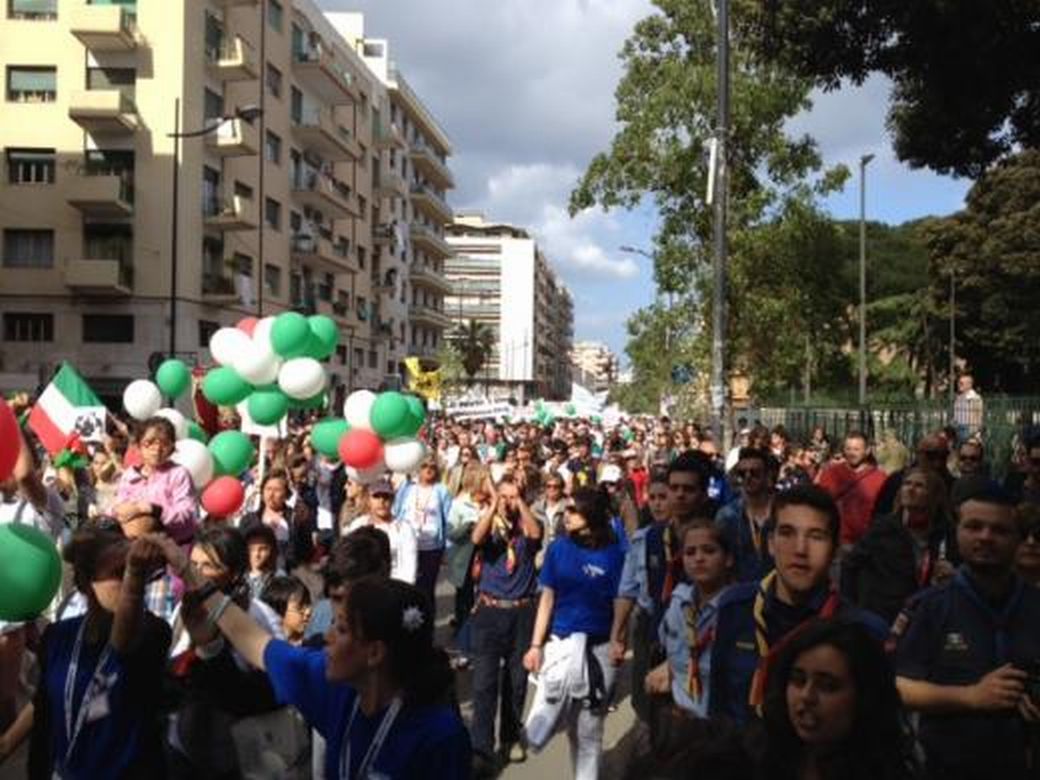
(170, 487)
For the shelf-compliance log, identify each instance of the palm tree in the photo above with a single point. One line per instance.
(474, 343)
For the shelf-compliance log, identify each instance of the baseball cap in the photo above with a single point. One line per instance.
(381, 488)
(610, 473)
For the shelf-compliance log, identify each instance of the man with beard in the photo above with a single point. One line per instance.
(968, 659)
(854, 484)
(745, 521)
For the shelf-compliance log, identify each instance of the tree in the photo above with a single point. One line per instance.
(992, 251)
(966, 75)
(474, 343)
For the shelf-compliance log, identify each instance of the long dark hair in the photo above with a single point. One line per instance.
(85, 550)
(877, 746)
(400, 615)
(594, 505)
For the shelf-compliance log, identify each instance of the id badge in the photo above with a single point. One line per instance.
(99, 708)
(324, 519)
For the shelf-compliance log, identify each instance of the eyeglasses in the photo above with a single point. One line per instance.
(156, 441)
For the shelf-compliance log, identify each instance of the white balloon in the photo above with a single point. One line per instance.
(227, 343)
(403, 456)
(257, 366)
(262, 334)
(368, 476)
(142, 399)
(196, 458)
(301, 378)
(357, 408)
(180, 425)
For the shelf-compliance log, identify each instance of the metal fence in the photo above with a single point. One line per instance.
(1004, 424)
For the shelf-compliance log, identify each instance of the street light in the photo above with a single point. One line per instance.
(248, 114)
(863, 162)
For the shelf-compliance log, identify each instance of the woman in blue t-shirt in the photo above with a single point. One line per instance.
(381, 693)
(579, 579)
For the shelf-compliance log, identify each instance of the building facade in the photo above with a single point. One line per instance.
(284, 183)
(595, 366)
(502, 279)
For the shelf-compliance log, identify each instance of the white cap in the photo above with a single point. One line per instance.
(610, 473)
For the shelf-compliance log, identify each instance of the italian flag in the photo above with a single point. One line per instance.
(53, 418)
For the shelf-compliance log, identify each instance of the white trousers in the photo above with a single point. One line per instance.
(585, 727)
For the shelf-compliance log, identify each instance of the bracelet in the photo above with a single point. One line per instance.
(219, 610)
(537, 647)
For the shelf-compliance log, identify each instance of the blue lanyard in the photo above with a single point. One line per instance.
(74, 724)
(377, 741)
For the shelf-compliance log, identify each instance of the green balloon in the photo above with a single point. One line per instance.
(570, 409)
(391, 416)
(173, 377)
(325, 335)
(232, 453)
(30, 571)
(290, 335)
(417, 412)
(224, 387)
(267, 406)
(326, 435)
(196, 432)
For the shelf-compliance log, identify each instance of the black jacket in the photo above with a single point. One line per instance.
(881, 572)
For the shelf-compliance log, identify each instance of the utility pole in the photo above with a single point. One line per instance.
(953, 333)
(863, 161)
(718, 337)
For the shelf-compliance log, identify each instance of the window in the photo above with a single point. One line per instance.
(373, 358)
(273, 279)
(275, 15)
(212, 197)
(295, 105)
(295, 221)
(206, 330)
(109, 242)
(212, 105)
(28, 248)
(362, 206)
(30, 166)
(108, 329)
(273, 148)
(341, 353)
(361, 257)
(122, 79)
(359, 358)
(325, 288)
(31, 84)
(35, 10)
(243, 190)
(362, 307)
(273, 213)
(243, 264)
(27, 326)
(274, 80)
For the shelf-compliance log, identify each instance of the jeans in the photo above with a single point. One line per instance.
(426, 576)
(645, 652)
(500, 637)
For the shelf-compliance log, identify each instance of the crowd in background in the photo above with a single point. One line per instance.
(777, 608)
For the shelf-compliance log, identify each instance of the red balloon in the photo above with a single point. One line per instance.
(247, 324)
(10, 440)
(223, 496)
(360, 448)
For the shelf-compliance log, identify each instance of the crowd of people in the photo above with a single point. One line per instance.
(775, 608)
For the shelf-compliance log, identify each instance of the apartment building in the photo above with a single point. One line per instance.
(595, 365)
(117, 244)
(502, 279)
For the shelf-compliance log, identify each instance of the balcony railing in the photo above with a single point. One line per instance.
(218, 284)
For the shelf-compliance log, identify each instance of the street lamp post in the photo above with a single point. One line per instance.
(721, 195)
(863, 162)
(247, 114)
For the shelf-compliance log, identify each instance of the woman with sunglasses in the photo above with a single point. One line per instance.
(579, 579)
(424, 503)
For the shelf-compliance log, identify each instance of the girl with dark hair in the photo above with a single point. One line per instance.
(291, 600)
(289, 517)
(579, 580)
(95, 713)
(389, 708)
(158, 486)
(832, 710)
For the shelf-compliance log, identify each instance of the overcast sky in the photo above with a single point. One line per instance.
(525, 91)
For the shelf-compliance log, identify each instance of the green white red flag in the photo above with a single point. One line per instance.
(61, 404)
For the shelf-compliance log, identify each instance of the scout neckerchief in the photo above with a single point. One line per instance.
(74, 722)
(1000, 620)
(698, 642)
(767, 654)
(376, 745)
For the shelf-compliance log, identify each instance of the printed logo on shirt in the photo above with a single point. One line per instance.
(747, 646)
(955, 643)
(592, 571)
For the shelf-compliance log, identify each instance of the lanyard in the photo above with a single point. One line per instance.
(72, 730)
(377, 741)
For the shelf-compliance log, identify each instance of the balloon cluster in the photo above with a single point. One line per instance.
(376, 434)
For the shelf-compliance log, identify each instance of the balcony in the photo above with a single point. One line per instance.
(104, 196)
(384, 235)
(233, 138)
(233, 60)
(424, 276)
(322, 255)
(423, 351)
(316, 68)
(230, 214)
(104, 27)
(326, 194)
(387, 135)
(430, 165)
(430, 202)
(103, 111)
(218, 288)
(389, 184)
(340, 310)
(427, 315)
(100, 277)
(319, 131)
(424, 238)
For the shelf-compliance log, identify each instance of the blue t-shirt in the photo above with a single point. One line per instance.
(424, 742)
(584, 582)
